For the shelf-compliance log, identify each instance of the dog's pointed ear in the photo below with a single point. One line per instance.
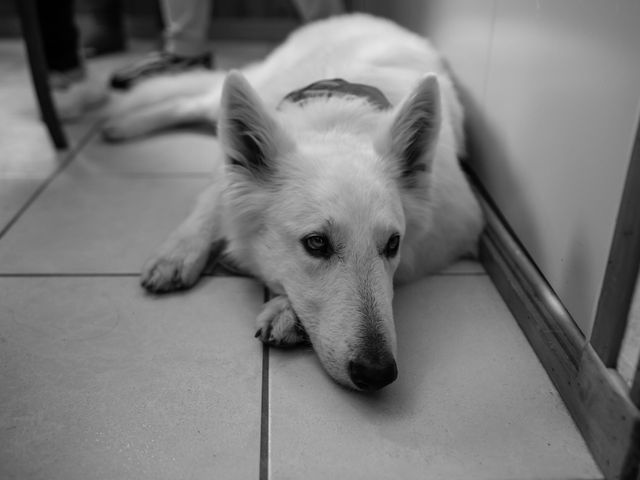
(411, 137)
(250, 136)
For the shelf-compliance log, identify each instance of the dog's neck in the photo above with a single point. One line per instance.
(335, 107)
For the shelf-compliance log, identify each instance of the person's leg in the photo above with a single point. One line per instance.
(187, 30)
(72, 90)
(186, 44)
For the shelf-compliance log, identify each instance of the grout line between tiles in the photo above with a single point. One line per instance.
(66, 160)
(264, 416)
(264, 408)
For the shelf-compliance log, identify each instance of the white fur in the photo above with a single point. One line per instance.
(336, 167)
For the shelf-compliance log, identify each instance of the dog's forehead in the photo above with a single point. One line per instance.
(345, 195)
(343, 166)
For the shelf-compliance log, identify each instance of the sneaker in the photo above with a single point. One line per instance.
(75, 93)
(154, 64)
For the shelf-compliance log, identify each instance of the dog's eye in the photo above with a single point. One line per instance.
(392, 246)
(317, 245)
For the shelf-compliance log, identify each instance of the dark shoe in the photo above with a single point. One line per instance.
(154, 64)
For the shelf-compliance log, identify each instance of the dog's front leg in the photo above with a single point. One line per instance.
(180, 260)
(278, 324)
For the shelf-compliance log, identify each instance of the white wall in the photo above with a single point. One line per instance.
(553, 92)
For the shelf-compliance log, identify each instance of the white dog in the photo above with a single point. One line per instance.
(340, 177)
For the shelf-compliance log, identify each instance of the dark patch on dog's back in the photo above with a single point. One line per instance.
(340, 88)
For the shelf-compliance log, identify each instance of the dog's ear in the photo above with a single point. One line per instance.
(250, 137)
(412, 136)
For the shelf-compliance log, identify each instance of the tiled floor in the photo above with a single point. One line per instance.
(99, 380)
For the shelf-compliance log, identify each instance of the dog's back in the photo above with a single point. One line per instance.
(359, 47)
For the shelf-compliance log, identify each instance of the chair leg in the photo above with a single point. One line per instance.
(31, 33)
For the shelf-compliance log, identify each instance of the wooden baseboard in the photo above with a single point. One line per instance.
(596, 396)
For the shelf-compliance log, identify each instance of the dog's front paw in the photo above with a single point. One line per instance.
(176, 266)
(279, 326)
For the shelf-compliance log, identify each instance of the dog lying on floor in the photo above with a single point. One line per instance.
(340, 177)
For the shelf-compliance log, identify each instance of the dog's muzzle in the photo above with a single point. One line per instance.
(373, 374)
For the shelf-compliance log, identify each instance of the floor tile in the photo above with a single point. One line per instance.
(86, 223)
(464, 267)
(101, 381)
(471, 401)
(26, 150)
(174, 151)
(14, 194)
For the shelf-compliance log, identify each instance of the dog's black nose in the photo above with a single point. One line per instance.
(372, 375)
